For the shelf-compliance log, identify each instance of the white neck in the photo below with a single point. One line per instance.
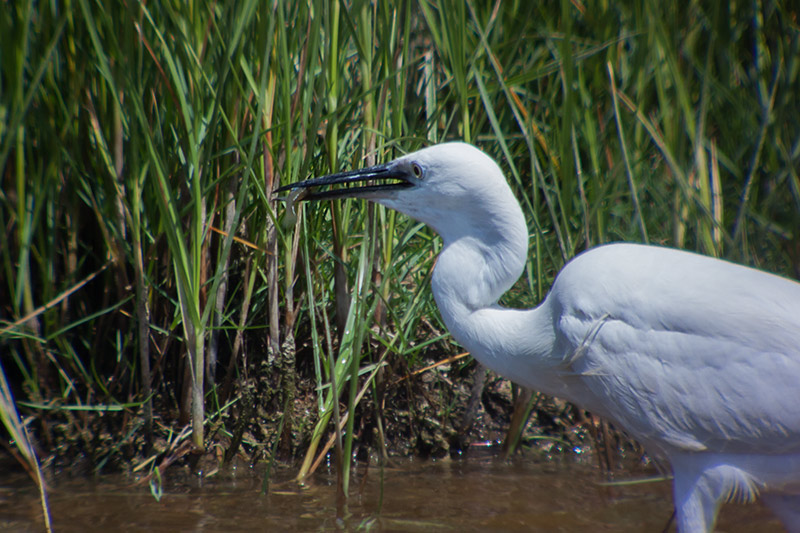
(471, 274)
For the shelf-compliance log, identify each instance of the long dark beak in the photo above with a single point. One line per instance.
(354, 183)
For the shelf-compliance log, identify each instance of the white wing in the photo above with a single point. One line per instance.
(683, 350)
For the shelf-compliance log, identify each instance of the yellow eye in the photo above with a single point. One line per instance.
(417, 170)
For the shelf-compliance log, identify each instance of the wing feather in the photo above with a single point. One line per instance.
(682, 349)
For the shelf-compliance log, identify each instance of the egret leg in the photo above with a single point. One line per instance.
(695, 509)
(787, 508)
(700, 487)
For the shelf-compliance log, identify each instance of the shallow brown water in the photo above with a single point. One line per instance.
(478, 493)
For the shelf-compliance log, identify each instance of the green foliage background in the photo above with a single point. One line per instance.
(137, 140)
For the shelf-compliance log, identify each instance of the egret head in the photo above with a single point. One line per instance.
(454, 187)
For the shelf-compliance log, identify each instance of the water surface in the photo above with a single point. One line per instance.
(476, 493)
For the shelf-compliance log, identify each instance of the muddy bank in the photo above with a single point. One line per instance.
(439, 412)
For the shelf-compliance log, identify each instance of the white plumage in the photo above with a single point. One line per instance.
(697, 358)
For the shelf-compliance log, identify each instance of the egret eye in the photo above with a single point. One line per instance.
(417, 170)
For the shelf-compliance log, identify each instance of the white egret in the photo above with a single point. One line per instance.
(695, 357)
